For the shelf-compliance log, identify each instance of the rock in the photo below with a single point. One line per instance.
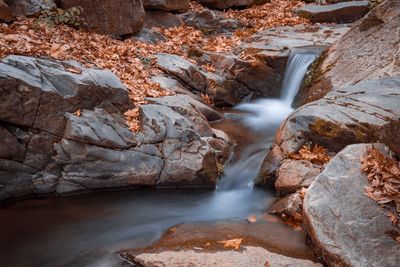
(87, 145)
(249, 256)
(289, 206)
(347, 115)
(295, 174)
(99, 128)
(179, 6)
(170, 84)
(37, 91)
(161, 19)
(209, 21)
(343, 12)
(180, 102)
(225, 4)
(113, 17)
(149, 36)
(5, 12)
(271, 163)
(372, 44)
(189, 148)
(346, 227)
(94, 167)
(21, 8)
(224, 92)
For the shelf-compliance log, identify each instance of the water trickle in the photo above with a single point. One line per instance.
(265, 115)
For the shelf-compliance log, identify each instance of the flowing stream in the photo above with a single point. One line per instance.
(53, 232)
(265, 116)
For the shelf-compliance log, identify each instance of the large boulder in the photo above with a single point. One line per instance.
(369, 51)
(29, 7)
(343, 12)
(225, 4)
(113, 17)
(346, 227)
(167, 5)
(63, 131)
(37, 91)
(347, 115)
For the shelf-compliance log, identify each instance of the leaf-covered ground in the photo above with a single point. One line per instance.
(129, 59)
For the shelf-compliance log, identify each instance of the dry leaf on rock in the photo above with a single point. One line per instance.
(232, 244)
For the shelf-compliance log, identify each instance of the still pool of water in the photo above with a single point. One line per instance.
(51, 232)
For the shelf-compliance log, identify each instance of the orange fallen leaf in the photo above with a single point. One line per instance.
(78, 113)
(233, 243)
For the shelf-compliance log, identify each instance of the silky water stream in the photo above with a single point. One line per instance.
(62, 231)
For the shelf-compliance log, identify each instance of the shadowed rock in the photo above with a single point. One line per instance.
(343, 12)
(113, 17)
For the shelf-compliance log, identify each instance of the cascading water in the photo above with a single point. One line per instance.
(265, 115)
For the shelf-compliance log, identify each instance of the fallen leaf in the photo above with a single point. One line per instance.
(233, 243)
(252, 219)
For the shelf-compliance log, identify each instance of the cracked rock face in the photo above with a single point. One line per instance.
(369, 51)
(46, 146)
(348, 228)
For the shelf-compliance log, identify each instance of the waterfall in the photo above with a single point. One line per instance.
(265, 115)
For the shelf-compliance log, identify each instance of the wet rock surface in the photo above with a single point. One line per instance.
(369, 51)
(63, 130)
(348, 228)
(249, 257)
(117, 18)
(343, 12)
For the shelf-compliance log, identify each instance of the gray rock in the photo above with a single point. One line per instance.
(343, 12)
(371, 45)
(293, 175)
(224, 92)
(347, 115)
(170, 84)
(149, 36)
(93, 167)
(289, 206)
(348, 228)
(99, 128)
(29, 7)
(183, 102)
(209, 21)
(189, 164)
(36, 91)
(167, 5)
(249, 256)
(161, 19)
(159, 123)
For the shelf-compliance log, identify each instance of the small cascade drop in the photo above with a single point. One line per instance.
(265, 115)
